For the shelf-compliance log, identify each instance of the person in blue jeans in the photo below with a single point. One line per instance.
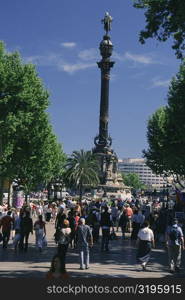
(175, 245)
(84, 240)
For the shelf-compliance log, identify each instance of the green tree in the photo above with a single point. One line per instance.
(157, 137)
(29, 150)
(166, 131)
(82, 169)
(46, 162)
(165, 19)
(132, 180)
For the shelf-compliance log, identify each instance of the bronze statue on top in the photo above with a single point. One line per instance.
(107, 22)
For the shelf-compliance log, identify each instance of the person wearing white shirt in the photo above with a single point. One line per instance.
(145, 243)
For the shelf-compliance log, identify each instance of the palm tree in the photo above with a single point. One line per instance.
(82, 168)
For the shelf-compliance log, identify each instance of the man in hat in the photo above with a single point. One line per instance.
(175, 244)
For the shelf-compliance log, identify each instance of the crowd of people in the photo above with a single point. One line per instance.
(80, 226)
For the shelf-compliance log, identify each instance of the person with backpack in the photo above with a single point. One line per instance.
(63, 243)
(26, 226)
(106, 224)
(175, 245)
(84, 240)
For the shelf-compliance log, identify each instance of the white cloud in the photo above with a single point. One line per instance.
(42, 60)
(157, 82)
(72, 68)
(146, 59)
(93, 54)
(88, 54)
(57, 61)
(118, 56)
(139, 58)
(113, 77)
(69, 45)
(32, 59)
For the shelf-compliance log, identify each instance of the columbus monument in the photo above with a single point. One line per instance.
(110, 178)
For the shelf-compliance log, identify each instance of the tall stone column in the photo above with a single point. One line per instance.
(106, 156)
(105, 65)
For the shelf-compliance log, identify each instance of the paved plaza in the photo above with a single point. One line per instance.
(119, 262)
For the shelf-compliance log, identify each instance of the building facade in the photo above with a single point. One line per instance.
(139, 167)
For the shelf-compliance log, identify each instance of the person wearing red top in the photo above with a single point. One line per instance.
(129, 211)
(6, 224)
(129, 214)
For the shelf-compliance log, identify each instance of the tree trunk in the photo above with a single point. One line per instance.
(1, 178)
(26, 198)
(1, 189)
(10, 194)
(49, 191)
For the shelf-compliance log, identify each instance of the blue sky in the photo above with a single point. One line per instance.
(62, 38)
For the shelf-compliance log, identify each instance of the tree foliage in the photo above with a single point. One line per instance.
(82, 169)
(132, 180)
(165, 19)
(166, 131)
(29, 150)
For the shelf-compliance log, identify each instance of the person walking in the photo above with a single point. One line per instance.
(84, 240)
(114, 213)
(123, 223)
(61, 216)
(26, 227)
(40, 232)
(48, 213)
(129, 214)
(137, 220)
(63, 243)
(145, 242)
(71, 220)
(17, 228)
(175, 245)
(93, 221)
(105, 223)
(6, 223)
